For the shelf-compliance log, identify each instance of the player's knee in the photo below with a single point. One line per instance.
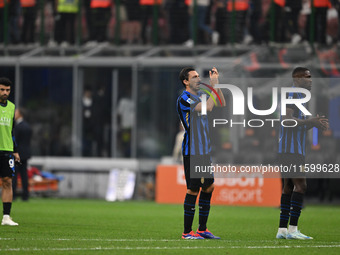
(193, 191)
(287, 190)
(301, 187)
(6, 183)
(209, 189)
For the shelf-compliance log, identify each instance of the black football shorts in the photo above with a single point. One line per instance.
(7, 168)
(292, 165)
(197, 180)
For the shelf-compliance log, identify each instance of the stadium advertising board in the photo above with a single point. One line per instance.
(247, 189)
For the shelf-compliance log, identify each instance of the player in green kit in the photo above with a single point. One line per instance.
(8, 154)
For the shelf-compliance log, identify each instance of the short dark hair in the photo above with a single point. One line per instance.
(5, 81)
(299, 71)
(184, 74)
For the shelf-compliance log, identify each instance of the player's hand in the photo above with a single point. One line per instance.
(320, 122)
(213, 74)
(16, 157)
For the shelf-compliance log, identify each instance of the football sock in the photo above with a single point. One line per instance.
(6, 208)
(189, 212)
(282, 230)
(285, 210)
(292, 229)
(296, 206)
(204, 207)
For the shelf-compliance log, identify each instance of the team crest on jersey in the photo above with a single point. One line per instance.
(190, 101)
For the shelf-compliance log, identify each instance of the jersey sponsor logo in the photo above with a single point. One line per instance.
(4, 121)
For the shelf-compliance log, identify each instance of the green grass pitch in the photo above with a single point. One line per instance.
(75, 226)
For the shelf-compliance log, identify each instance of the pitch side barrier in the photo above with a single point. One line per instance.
(56, 164)
(90, 177)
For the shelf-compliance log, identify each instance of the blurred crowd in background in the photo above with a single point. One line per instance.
(49, 94)
(188, 22)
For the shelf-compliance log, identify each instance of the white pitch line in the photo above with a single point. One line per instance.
(171, 248)
(156, 240)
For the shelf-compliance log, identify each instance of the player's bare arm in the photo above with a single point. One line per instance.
(214, 78)
(213, 75)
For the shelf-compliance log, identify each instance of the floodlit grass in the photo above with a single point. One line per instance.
(74, 226)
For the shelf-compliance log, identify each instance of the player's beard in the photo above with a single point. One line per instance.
(3, 99)
(195, 87)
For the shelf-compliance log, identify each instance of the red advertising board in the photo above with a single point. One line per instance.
(240, 189)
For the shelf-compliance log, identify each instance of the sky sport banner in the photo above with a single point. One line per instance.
(236, 189)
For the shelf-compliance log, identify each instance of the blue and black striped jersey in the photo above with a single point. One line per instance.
(293, 139)
(196, 139)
